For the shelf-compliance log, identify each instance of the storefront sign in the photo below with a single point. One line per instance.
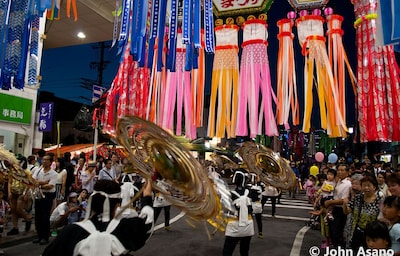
(240, 7)
(15, 109)
(46, 117)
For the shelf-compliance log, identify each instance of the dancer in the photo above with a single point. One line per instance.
(100, 233)
(240, 228)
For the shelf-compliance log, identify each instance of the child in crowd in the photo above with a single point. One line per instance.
(377, 235)
(326, 192)
(4, 211)
(391, 212)
(309, 186)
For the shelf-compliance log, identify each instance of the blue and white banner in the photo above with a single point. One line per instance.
(388, 22)
(97, 92)
(46, 117)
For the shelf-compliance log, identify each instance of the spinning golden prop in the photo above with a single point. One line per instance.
(151, 149)
(269, 165)
(223, 162)
(10, 166)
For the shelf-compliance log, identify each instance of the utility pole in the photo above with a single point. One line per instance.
(101, 64)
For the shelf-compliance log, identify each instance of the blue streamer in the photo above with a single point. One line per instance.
(15, 44)
(153, 31)
(173, 30)
(161, 33)
(197, 24)
(141, 39)
(142, 58)
(209, 27)
(115, 28)
(189, 57)
(4, 12)
(122, 40)
(135, 29)
(34, 50)
(187, 21)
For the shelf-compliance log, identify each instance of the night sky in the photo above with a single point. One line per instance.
(63, 68)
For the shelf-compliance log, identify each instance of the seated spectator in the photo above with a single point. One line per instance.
(65, 213)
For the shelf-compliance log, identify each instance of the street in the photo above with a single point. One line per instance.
(285, 235)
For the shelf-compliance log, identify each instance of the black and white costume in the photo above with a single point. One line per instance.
(100, 237)
(240, 225)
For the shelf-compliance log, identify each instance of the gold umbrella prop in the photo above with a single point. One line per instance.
(184, 182)
(269, 165)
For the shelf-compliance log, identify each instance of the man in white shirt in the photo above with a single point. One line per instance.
(342, 191)
(59, 216)
(106, 173)
(46, 180)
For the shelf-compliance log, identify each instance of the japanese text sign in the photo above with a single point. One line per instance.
(239, 7)
(46, 116)
(15, 109)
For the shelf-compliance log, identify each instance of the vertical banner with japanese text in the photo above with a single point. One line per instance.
(46, 117)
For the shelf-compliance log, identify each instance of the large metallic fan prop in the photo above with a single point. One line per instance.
(9, 165)
(185, 184)
(269, 165)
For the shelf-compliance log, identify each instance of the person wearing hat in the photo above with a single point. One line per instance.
(103, 231)
(88, 177)
(239, 228)
(65, 213)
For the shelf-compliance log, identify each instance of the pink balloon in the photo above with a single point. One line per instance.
(319, 156)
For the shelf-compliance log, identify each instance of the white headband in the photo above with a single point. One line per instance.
(240, 173)
(105, 217)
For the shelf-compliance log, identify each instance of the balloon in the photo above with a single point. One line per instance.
(314, 170)
(319, 156)
(332, 158)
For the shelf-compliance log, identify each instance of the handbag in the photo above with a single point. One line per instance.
(38, 193)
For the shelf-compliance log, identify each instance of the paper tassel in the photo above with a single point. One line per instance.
(225, 76)
(255, 81)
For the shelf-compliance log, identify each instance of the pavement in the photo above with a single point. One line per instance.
(22, 237)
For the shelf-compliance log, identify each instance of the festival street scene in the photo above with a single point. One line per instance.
(200, 127)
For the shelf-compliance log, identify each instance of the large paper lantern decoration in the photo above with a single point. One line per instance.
(287, 100)
(225, 81)
(255, 81)
(378, 79)
(310, 30)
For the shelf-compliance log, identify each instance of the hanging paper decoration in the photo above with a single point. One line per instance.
(198, 84)
(178, 92)
(33, 52)
(378, 79)
(311, 37)
(16, 45)
(4, 12)
(225, 76)
(209, 26)
(255, 81)
(338, 58)
(287, 99)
